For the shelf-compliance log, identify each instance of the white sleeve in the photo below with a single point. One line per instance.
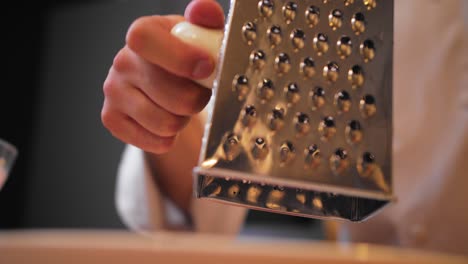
(143, 208)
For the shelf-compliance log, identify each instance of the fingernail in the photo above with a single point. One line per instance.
(202, 69)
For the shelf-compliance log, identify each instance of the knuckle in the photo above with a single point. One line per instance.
(122, 61)
(110, 87)
(109, 119)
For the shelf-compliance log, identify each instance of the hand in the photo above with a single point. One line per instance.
(149, 92)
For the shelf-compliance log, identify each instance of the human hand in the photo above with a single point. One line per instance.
(149, 92)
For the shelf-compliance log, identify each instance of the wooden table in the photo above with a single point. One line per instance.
(114, 247)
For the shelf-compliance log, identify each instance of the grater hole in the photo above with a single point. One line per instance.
(300, 196)
(276, 118)
(292, 93)
(335, 19)
(344, 47)
(275, 199)
(318, 98)
(233, 191)
(259, 149)
(327, 128)
(249, 116)
(302, 123)
(298, 39)
(265, 90)
(289, 12)
(339, 161)
(366, 164)
(331, 72)
(312, 156)
(370, 4)
(212, 189)
(307, 67)
(231, 146)
(358, 23)
(320, 44)
(253, 193)
(353, 132)
(266, 8)
(343, 101)
(368, 106)
(367, 50)
(275, 35)
(249, 32)
(257, 59)
(240, 85)
(282, 63)
(356, 76)
(317, 203)
(287, 152)
(312, 16)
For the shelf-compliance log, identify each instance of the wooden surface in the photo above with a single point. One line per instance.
(69, 246)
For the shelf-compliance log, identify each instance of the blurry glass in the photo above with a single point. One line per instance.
(8, 154)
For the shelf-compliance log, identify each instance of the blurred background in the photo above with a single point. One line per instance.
(56, 57)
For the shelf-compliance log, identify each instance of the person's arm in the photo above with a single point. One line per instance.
(172, 171)
(152, 103)
(150, 95)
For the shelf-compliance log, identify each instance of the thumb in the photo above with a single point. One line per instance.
(205, 13)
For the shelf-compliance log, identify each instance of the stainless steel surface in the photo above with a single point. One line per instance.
(303, 103)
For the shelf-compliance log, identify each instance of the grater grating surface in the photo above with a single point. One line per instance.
(301, 119)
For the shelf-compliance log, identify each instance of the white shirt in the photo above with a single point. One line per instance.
(430, 160)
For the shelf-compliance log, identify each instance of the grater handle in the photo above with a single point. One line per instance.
(204, 38)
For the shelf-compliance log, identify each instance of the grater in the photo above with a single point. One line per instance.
(300, 121)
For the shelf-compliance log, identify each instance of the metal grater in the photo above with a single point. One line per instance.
(301, 119)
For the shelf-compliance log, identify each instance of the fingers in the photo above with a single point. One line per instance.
(174, 94)
(206, 13)
(129, 131)
(149, 92)
(135, 119)
(151, 39)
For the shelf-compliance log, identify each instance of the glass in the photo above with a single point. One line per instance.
(8, 154)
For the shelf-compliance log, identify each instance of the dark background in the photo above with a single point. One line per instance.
(56, 56)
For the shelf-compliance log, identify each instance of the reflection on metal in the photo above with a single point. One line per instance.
(331, 72)
(301, 116)
(240, 86)
(368, 106)
(343, 101)
(356, 76)
(335, 19)
(344, 47)
(298, 39)
(257, 59)
(265, 8)
(367, 49)
(353, 132)
(293, 94)
(307, 67)
(260, 149)
(358, 23)
(327, 128)
(320, 43)
(318, 98)
(289, 12)
(339, 161)
(249, 32)
(312, 156)
(274, 35)
(312, 15)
